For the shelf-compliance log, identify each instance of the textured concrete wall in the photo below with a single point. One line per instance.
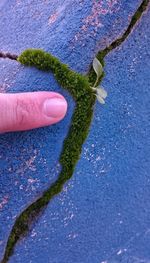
(102, 215)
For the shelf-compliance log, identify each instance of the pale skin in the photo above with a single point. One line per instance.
(26, 111)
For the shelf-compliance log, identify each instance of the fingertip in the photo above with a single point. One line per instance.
(55, 107)
(27, 111)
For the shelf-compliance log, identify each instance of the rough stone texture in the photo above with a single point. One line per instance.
(73, 31)
(70, 29)
(102, 215)
(28, 160)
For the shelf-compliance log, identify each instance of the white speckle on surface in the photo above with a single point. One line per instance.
(33, 233)
(119, 252)
(72, 236)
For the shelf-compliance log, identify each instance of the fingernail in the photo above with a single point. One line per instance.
(55, 107)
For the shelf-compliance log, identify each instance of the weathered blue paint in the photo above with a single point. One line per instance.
(71, 30)
(28, 161)
(103, 214)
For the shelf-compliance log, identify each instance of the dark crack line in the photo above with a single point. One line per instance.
(8, 55)
(21, 226)
(141, 9)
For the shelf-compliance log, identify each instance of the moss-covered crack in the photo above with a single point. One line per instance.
(79, 88)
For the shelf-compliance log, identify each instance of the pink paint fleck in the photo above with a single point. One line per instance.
(27, 165)
(99, 9)
(31, 180)
(4, 201)
(52, 18)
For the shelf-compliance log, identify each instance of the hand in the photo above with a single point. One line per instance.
(25, 111)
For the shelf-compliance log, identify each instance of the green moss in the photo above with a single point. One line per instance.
(79, 87)
(75, 83)
(137, 15)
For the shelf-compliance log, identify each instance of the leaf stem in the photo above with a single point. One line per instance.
(97, 79)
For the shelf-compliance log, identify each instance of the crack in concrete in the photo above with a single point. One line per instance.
(142, 8)
(22, 223)
(8, 55)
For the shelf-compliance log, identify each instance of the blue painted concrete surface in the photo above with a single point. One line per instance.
(73, 31)
(103, 213)
(28, 160)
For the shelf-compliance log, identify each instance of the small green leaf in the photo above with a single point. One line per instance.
(97, 67)
(101, 92)
(100, 99)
